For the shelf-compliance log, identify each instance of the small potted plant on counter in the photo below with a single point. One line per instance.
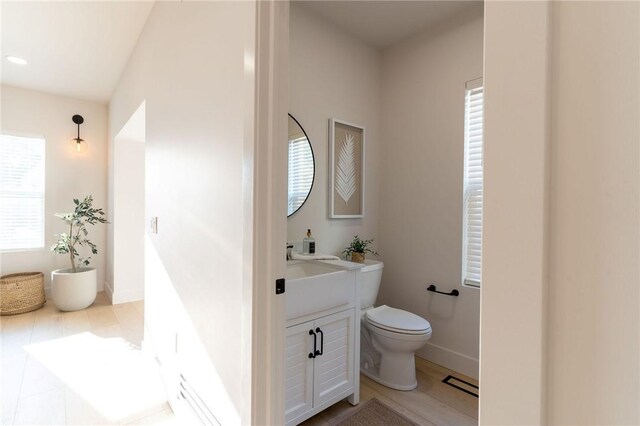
(358, 248)
(75, 288)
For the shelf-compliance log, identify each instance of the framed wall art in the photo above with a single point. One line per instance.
(346, 170)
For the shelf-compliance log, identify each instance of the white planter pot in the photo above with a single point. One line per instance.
(72, 291)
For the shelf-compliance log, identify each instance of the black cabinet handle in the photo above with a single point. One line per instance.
(315, 352)
(321, 351)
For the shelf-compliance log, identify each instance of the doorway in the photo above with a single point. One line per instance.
(127, 284)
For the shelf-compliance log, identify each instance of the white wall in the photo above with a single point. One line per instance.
(421, 209)
(560, 301)
(594, 238)
(193, 68)
(126, 232)
(333, 75)
(513, 329)
(413, 88)
(68, 175)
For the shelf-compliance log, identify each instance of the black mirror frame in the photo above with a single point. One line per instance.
(313, 156)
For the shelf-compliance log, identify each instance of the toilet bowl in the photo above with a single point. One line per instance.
(389, 336)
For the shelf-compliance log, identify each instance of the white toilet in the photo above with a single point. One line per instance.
(389, 337)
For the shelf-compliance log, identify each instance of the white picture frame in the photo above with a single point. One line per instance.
(346, 190)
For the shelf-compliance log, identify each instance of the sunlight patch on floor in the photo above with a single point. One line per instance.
(114, 377)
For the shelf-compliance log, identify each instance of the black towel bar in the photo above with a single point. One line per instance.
(453, 292)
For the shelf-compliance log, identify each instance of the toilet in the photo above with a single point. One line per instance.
(389, 337)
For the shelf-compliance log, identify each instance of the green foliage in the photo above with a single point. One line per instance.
(83, 215)
(359, 246)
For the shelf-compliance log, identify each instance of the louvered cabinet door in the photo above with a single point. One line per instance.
(298, 371)
(333, 370)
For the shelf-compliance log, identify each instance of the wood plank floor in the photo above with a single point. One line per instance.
(86, 368)
(432, 403)
(82, 368)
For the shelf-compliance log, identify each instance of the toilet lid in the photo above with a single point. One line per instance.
(397, 319)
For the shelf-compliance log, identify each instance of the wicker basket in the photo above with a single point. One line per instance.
(20, 293)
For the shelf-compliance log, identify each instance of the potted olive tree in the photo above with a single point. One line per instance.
(358, 248)
(76, 288)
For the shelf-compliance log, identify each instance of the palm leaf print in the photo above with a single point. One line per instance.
(346, 169)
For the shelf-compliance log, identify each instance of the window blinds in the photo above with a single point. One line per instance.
(21, 193)
(472, 223)
(300, 172)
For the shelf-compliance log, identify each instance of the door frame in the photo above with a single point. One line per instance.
(266, 245)
(527, 28)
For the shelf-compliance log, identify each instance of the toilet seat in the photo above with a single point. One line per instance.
(397, 321)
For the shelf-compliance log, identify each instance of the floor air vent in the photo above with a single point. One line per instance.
(461, 385)
(200, 410)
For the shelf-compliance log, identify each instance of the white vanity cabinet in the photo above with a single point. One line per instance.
(322, 343)
(333, 373)
(315, 380)
(298, 371)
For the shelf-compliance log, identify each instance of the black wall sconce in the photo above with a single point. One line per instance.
(77, 144)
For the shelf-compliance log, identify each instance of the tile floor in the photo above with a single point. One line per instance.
(79, 368)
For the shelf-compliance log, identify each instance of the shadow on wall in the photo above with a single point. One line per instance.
(442, 307)
(175, 341)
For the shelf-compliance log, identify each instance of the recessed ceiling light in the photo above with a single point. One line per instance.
(16, 60)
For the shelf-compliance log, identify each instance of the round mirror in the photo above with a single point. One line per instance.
(301, 169)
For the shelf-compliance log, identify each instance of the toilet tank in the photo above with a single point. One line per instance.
(371, 276)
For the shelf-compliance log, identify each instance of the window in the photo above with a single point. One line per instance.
(21, 193)
(472, 221)
(301, 170)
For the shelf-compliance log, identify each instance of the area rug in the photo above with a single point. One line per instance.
(374, 413)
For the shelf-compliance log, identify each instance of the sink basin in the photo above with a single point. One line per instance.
(303, 269)
(319, 286)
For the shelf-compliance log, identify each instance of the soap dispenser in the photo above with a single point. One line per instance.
(308, 244)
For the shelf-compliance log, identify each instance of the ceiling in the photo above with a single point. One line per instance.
(79, 48)
(74, 48)
(383, 23)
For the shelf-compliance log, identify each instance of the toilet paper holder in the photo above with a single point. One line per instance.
(453, 292)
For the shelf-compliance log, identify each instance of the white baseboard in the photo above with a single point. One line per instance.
(452, 360)
(127, 296)
(108, 291)
(119, 297)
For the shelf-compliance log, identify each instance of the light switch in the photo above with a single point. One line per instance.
(154, 225)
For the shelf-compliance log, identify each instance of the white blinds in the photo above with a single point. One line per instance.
(472, 223)
(21, 193)
(300, 172)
